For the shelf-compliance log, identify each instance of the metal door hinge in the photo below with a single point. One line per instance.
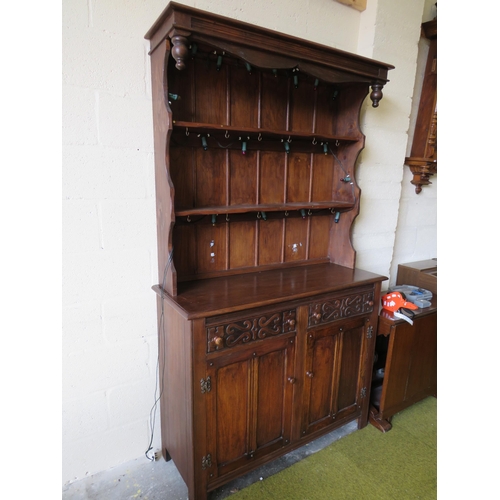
(205, 385)
(363, 392)
(369, 332)
(206, 462)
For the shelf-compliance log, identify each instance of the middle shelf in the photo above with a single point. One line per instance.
(256, 138)
(265, 207)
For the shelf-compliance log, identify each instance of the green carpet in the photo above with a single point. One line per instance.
(367, 464)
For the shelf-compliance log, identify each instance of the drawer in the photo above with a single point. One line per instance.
(341, 306)
(236, 331)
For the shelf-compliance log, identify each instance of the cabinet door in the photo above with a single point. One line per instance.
(411, 367)
(333, 373)
(249, 405)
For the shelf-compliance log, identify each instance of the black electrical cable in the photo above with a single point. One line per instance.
(159, 380)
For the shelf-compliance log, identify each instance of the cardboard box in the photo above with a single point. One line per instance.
(422, 273)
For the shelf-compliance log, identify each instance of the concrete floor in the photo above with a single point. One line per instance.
(160, 480)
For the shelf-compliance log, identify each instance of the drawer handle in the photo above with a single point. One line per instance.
(291, 380)
(291, 323)
(370, 303)
(317, 316)
(310, 374)
(218, 341)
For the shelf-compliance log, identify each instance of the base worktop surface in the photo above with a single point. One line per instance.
(222, 295)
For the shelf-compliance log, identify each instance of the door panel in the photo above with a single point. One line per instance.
(270, 389)
(349, 369)
(320, 377)
(249, 406)
(332, 373)
(233, 398)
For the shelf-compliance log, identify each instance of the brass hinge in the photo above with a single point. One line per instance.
(363, 392)
(205, 385)
(369, 332)
(206, 462)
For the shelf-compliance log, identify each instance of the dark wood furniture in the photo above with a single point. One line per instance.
(422, 273)
(423, 156)
(266, 328)
(405, 370)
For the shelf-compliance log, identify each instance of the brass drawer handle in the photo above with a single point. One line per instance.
(218, 341)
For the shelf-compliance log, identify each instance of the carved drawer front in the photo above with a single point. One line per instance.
(341, 307)
(244, 331)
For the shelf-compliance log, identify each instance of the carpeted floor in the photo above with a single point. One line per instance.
(367, 464)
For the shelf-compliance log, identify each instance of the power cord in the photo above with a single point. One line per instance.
(161, 329)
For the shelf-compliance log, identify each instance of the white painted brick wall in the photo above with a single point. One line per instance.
(416, 235)
(109, 228)
(109, 240)
(391, 33)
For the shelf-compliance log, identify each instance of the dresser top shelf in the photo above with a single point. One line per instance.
(271, 48)
(208, 297)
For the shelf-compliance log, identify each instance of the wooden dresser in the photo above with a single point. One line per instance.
(266, 327)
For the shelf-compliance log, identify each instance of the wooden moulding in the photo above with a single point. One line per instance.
(356, 4)
(183, 25)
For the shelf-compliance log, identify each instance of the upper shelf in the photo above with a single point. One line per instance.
(262, 47)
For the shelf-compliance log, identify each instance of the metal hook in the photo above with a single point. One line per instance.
(188, 218)
(227, 217)
(309, 212)
(258, 215)
(289, 139)
(226, 135)
(260, 137)
(315, 141)
(286, 213)
(187, 131)
(337, 143)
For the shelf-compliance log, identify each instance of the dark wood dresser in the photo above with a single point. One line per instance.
(266, 327)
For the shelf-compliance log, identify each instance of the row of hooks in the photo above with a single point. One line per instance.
(286, 142)
(263, 215)
(294, 73)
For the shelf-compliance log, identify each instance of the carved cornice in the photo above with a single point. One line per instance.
(422, 169)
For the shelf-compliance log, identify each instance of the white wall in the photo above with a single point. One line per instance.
(390, 32)
(416, 232)
(109, 241)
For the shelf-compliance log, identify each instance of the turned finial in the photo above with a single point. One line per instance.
(180, 51)
(376, 94)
